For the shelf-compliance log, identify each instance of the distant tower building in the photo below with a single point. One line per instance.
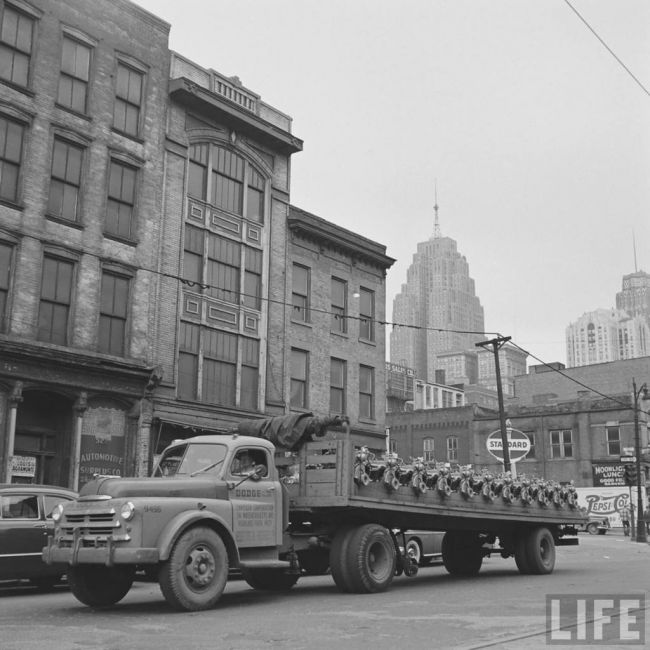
(606, 335)
(439, 305)
(634, 298)
(512, 363)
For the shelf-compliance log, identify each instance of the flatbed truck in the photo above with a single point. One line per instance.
(223, 502)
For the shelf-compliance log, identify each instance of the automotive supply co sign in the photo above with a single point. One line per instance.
(518, 444)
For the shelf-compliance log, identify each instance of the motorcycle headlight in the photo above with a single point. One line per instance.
(57, 513)
(127, 511)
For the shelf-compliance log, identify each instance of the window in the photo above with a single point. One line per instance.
(299, 379)
(128, 100)
(65, 182)
(613, 437)
(19, 506)
(11, 148)
(208, 365)
(428, 448)
(6, 254)
(250, 374)
(16, 36)
(452, 449)
(56, 295)
(227, 264)
(224, 268)
(219, 367)
(366, 392)
(75, 73)
(562, 443)
(367, 314)
(121, 200)
(338, 376)
(253, 279)
(300, 293)
(188, 361)
(227, 181)
(113, 313)
(339, 306)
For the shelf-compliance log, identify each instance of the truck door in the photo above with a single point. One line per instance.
(256, 498)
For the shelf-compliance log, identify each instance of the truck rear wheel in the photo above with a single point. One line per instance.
(540, 551)
(270, 579)
(370, 559)
(521, 557)
(338, 558)
(99, 586)
(194, 576)
(461, 553)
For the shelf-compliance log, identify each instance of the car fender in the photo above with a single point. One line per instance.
(181, 522)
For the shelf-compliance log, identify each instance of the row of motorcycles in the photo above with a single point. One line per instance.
(421, 476)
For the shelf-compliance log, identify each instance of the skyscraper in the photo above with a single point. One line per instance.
(438, 306)
(634, 297)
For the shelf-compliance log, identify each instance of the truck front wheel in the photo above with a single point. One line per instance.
(99, 586)
(195, 575)
(461, 553)
(370, 558)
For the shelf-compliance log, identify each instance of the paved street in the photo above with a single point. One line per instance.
(499, 609)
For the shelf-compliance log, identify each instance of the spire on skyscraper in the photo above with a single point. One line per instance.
(436, 226)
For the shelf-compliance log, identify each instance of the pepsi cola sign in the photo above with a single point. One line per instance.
(518, 444)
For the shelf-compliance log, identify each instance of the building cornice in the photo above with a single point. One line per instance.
(328, 234)
(195, 96)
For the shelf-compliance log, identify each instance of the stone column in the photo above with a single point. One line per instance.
(15, 398)
(80, 407)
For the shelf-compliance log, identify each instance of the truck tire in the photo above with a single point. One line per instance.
(314, 562)
(338, 558)
(414, 550)
(540, 551)
(270, 579)
(592, 528)
(461, 553)
(521, 557)
(371, 559)
(195, 575)
(100, 586)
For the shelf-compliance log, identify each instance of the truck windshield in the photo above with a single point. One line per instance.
(191, 458)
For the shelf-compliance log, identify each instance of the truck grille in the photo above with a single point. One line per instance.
(93, 527)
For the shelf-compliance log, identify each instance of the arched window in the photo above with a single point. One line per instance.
(226, 180)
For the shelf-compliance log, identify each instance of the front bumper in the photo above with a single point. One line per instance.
(107, 555)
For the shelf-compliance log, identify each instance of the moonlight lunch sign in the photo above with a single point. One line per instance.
(518, 444)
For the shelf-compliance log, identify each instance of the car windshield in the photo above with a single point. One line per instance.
(190, 459)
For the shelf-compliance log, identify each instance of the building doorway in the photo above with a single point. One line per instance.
(44, 426)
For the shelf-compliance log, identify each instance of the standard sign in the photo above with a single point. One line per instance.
(518, 445)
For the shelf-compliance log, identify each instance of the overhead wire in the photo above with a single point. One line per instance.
(609, 49)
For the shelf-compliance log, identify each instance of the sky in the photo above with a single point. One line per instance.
(533, 135)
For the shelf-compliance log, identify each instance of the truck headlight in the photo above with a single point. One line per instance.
(57, 513)
(127, 511)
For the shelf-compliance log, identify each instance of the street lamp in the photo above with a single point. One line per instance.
(640, 523)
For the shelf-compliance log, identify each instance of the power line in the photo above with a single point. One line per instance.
(593, 31)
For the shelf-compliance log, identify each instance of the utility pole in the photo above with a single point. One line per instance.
(497, 344)
(641, 535)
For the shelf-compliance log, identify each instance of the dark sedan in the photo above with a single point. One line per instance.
(25, 523)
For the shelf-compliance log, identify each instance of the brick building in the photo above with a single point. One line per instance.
(334, 336)
(148, 254)
(81, 118)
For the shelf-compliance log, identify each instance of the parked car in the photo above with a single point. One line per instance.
(25, 523)
(596, 525)
(424, 546)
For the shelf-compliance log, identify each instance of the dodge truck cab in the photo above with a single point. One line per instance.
(210, 505)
